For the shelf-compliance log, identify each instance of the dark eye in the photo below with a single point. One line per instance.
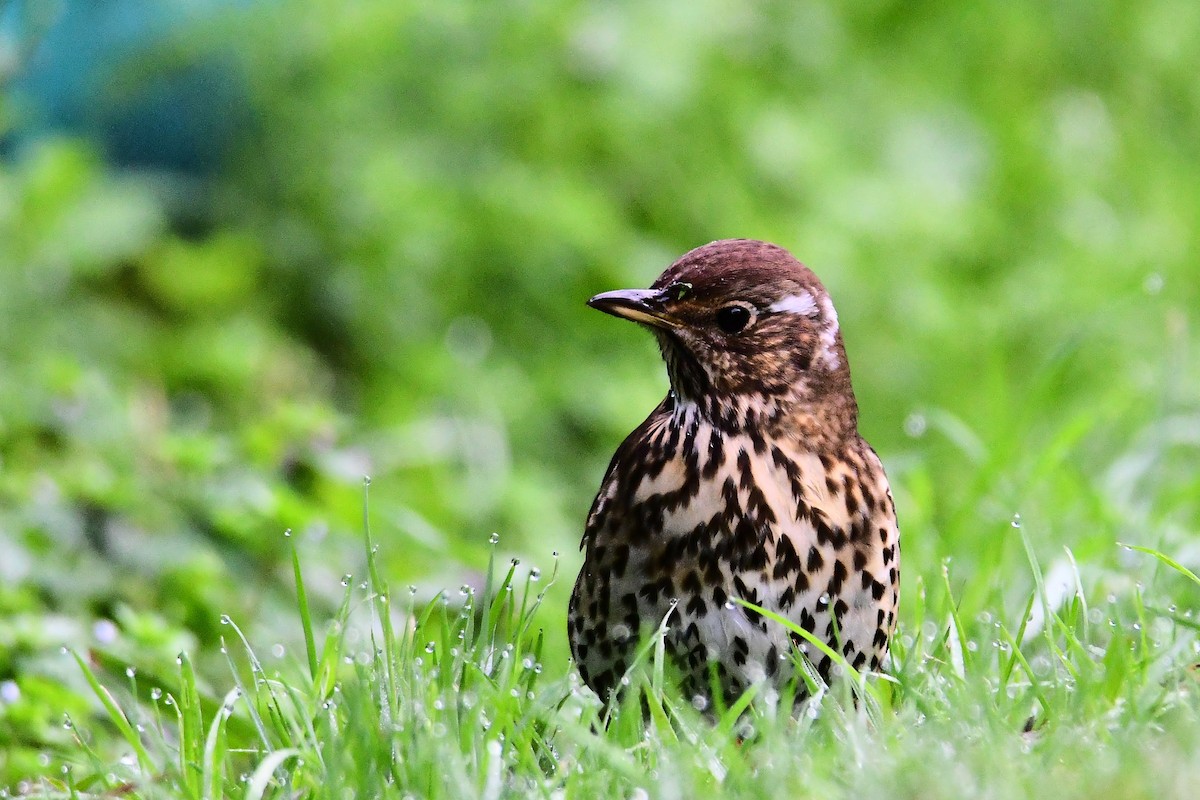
(732, 319)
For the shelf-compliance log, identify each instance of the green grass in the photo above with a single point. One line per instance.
(1078, 693)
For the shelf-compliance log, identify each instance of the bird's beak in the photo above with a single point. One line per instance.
(640, 305)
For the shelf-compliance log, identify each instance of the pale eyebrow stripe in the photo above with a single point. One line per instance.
(801, 303)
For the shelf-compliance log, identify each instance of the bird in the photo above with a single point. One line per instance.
(749, 481)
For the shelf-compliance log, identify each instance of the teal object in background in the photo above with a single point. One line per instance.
(118, 72)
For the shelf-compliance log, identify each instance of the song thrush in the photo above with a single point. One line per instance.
(749, 480)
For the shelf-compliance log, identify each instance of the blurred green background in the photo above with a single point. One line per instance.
(251, 252)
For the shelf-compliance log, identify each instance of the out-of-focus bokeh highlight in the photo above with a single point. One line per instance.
(251, 252)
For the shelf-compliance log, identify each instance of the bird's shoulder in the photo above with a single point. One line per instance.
(634, 454)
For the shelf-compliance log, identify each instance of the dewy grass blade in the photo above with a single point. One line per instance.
(256, 787)
(191, 734)
(1019, 657)
(310, 642)
(834, 656)
(381, 606)
(215, 748)
(251, 707)
(961, 657)
(117, 716)
(1166, 559)
(331, 651)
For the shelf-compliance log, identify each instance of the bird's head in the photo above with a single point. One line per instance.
(749, 335)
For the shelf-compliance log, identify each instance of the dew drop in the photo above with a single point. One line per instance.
(1016, 521)
(494, 538)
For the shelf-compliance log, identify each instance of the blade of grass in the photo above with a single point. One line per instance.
(310, 642)
(1166, 559)
(191, 735)
(117, 716)
(215, 747)
(257, 785)
(834, 656)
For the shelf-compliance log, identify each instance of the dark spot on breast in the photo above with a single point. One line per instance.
(815, 561)
(745, 473)
(787, 560)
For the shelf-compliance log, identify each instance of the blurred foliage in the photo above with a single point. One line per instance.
(387, 276)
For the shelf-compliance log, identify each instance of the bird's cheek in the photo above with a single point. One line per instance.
(801, 358)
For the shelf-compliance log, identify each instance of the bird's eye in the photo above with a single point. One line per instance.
(732, 319)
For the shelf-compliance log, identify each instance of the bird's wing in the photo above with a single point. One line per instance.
(612, 476)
